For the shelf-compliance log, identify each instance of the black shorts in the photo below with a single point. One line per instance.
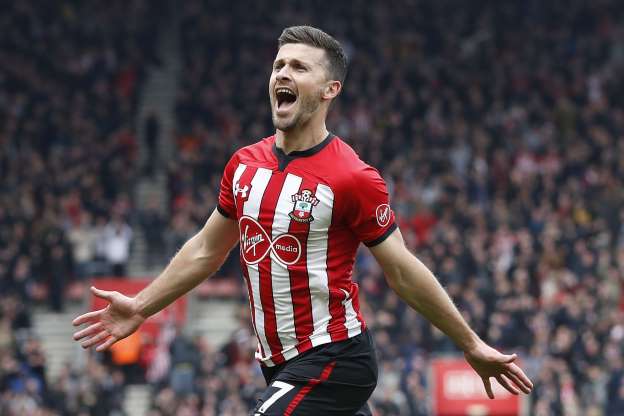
(333, 379)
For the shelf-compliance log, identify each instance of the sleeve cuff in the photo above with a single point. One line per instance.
(222, 211)
(382, 237)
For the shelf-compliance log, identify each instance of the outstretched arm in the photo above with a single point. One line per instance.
(198, 259)
(417, 286)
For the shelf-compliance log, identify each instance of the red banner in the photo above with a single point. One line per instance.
(130, 287)
(458, 390)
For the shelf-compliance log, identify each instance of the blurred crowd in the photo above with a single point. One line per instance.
(499, 129)
(70, 77)
(95, 388)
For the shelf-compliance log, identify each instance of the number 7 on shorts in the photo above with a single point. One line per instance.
(282, 389)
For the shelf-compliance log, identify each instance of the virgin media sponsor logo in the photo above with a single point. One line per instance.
(256, 244)
(383, 215)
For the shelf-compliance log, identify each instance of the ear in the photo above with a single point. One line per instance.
(331, 90)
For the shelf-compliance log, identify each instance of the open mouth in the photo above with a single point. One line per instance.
(285, 98)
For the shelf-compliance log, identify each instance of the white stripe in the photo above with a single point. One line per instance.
(258, 186)
(317, 263)
(282, 297)
(353, 325)
(252, 208)
(290, 352)
(320, 340)
(237, 175)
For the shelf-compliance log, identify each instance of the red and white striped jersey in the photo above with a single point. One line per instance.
(301, 218)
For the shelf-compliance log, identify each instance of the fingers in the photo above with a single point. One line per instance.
(92, 329)
(488, 387)
(507, 385)
(89, 316)
(104, 294)
(509, 358)
(106, 345)
(516, 381)
(515, 374)
(96, 339)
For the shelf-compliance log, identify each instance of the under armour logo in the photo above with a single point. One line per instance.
(383, 215)
(243, 191)
(256, 244)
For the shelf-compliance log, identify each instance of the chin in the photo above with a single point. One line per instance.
(284, 125)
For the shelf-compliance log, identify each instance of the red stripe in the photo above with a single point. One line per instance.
(246, 178)
(299, 280)
(251, 305)
(308, 387)
(339, 246)
(267, 213)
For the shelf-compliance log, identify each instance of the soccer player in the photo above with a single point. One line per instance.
(299, 203)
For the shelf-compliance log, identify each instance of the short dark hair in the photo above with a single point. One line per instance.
(312, 36)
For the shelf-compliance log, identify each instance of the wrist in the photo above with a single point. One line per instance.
(139, 307)
(469, 343)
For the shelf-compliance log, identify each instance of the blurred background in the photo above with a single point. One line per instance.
(498, 126)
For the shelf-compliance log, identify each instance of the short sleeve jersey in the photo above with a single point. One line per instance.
(301, 219)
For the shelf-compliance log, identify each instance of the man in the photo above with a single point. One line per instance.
(300, 202)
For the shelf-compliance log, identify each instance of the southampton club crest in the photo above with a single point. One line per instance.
(304, 202)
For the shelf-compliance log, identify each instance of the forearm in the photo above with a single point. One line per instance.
(417, 286)
(189, 267)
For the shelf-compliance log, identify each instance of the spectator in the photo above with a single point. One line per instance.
(185, 360)
(57, 265)
(118, 236)
(153, 224)
(82, 238)
(101, 246)
(152, 132)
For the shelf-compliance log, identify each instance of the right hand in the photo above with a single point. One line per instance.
(488, 362)
(109, 325)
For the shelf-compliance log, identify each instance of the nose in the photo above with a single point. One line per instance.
(283, 74)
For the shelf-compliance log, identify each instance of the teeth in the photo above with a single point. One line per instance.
(284, 90)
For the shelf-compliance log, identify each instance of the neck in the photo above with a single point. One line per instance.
(301, 137)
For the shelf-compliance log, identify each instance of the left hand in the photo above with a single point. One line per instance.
(488, 362)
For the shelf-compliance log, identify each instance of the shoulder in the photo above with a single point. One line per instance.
(348, 166)
(256, 151)
(343, 150)
(256, 154)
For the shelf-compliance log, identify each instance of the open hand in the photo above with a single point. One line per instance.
(116, 321)
(488, 362)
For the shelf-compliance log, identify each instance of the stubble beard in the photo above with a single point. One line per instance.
(307, 107)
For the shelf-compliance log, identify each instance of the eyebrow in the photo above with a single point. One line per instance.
(293, 61)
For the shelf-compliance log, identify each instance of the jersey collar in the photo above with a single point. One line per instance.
(284, 159)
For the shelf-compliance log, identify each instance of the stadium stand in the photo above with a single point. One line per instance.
(498, 127)
(70, 73)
